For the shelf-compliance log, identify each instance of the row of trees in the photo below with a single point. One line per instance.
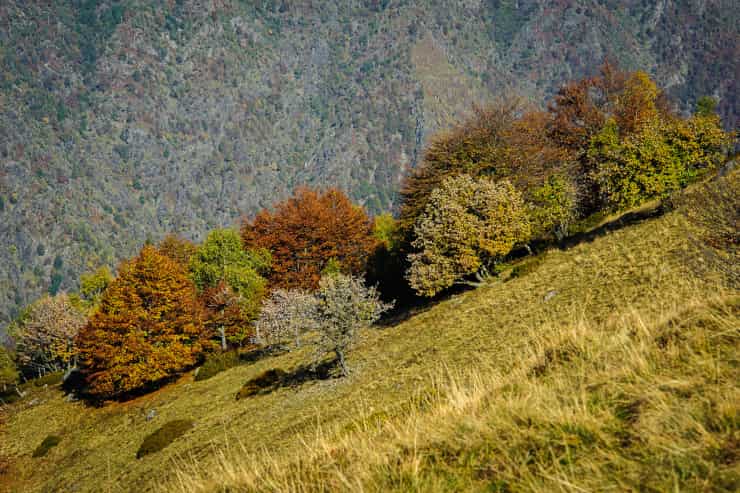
(176, 301)
(512, 174)
(293, 275)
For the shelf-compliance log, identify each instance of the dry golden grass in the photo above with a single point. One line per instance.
(624, 379)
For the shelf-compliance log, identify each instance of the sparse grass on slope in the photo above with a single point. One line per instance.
(624, 379)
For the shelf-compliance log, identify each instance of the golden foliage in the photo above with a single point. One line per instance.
(148, 327)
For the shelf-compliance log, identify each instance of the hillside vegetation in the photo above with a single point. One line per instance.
(127, 119)
(608, 365)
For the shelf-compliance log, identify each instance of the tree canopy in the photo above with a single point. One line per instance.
(308, 230)
(148, 327)
(467, 226)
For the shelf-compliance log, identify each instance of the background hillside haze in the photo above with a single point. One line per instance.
(124, 120)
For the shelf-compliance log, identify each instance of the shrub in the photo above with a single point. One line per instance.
(286, 315)
(53, 378)
(47, 444)
(468, 225)
(265, 382)
(665, 156)
(215, 363)
(164, 436)
(148, 328)
(553, 207)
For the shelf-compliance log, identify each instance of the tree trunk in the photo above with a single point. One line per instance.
(342, 362)
(223, 338)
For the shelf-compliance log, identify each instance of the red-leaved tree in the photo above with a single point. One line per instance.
(308, 230)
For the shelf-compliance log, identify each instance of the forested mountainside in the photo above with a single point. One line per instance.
(124, 120)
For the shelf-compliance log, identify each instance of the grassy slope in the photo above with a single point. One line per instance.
(625, 379)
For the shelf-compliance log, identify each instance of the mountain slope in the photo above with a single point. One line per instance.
(608, 365)
(123, 120)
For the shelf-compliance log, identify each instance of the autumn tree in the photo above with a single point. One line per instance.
(581, 108)
(178, 249)
(230, 280)
(637, 103)
(8, 371)
(663, 157)
(344, 306)
(306, 231)
(147, 328)
(478, 146)
(45, 335)
(93, 285)
(552, 206)
(468, 225)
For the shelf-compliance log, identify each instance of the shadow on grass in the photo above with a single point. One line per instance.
(625, 220)
(275, 378)
(415, 305)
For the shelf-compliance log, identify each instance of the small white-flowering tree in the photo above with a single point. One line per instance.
(344, 306)
(286, 315)
(46, 335)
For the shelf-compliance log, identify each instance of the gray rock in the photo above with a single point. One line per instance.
(550, 295)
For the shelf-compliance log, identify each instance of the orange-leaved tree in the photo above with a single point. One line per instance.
(307, 231)
(147, 328)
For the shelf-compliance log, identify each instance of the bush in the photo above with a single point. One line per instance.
(215, 363)
(344, 306)
(664, 156)
(265, 382)
(553, 207)
(286, 316)
(49, 443)
(164, 436)
(53, 378)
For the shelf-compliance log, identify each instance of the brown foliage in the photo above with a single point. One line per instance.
(308, 230)
(477, 146)
(580, 108)
(225, 314)
(178, 249)
(148, 327)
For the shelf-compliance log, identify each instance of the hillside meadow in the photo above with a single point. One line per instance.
(607, 365)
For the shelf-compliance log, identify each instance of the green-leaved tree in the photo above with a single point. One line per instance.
(231, 282)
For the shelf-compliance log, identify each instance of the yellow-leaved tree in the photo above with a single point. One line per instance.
(467, 226)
